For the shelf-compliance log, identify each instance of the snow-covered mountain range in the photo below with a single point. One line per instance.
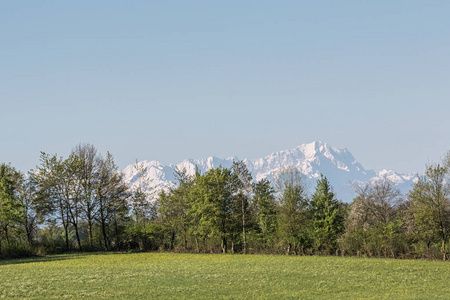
(338, 165)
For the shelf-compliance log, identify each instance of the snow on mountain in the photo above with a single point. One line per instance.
(338, 165)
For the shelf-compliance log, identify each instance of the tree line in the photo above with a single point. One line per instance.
(83, 203)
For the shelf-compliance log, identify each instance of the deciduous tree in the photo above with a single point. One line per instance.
(430, 205)
(292, 217)
(10, 206)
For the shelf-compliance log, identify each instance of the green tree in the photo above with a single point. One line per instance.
(112, 193)
(32, 209)
(200, 212)
(174, 205)
(242, 197)
(143, 209)
(211, 205)
(57, 183)
(10, 207)
(373, 226)
(221, 185)
(292, 216)
(86, 177)
(327, 215)
(265, 210)
(142, 206)
(430, 206)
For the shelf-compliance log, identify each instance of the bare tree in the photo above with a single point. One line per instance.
(370, 225)
(375, 202)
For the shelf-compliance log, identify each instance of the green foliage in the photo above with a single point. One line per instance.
(242, 203)
(15, 250)
(173, 209)
(266, 212)
(83, 189)
(10, 206)
(211, 205)
(327, 216)
(293, 211)
(430, 207)
(144, 236)
(11, 209)
(142, 208)
(381, 240)
(373, 225)
(82, 202)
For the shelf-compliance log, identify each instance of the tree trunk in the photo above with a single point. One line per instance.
(444, 257)
(66, 231)
(27, 232)
(224, 245)
(6, 234)
(105, 237)
(243, 227)
(78, 237)
(141, 243)
(116, 231)
(185, 238)
(196, 244)
(103, 224)
(444, 238)
(65, 223)
(172, 240)
(91, 246)
(29, 238)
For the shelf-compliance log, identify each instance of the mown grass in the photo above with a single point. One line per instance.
(166, 275)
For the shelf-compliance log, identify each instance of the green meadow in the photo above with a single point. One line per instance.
(166, 276)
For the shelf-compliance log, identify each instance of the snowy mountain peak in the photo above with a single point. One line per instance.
(312, 159)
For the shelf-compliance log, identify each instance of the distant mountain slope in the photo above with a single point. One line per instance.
(312, 159)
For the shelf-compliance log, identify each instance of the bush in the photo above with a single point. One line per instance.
(15, 250)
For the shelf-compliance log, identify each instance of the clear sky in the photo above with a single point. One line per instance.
(169, 80)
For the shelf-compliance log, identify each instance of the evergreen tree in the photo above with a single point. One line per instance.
(327, 217)
(266, 211)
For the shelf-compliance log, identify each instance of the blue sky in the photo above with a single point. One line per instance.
(169, 80)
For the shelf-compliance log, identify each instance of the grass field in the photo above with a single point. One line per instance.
(165, 275)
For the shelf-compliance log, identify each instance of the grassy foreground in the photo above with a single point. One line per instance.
(165, 275)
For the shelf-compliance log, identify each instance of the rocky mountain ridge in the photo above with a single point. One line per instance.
(313, 159)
